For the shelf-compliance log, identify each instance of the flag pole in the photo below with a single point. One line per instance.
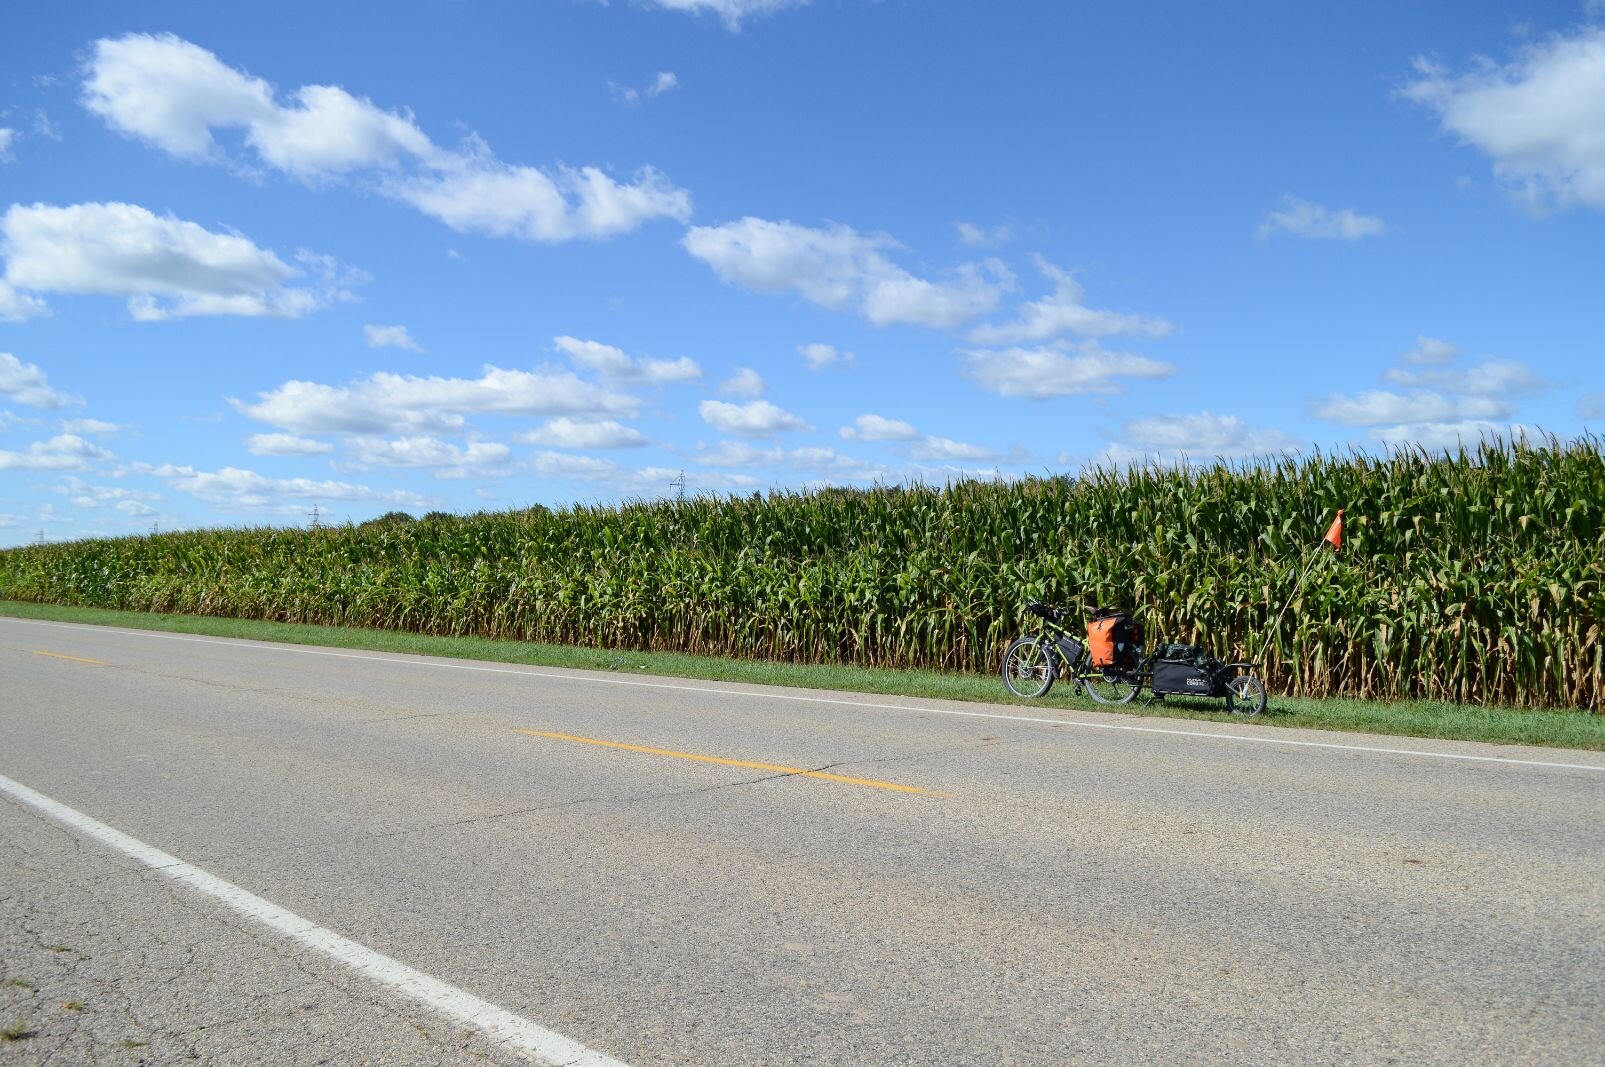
(1275, 626)
(1334, 539)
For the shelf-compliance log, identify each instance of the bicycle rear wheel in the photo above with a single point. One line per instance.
(1112, 685)
(1028, 668)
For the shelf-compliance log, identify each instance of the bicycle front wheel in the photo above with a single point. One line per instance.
(1112, 685)
(1028, 668)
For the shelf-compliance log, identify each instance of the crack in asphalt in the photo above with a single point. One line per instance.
(70, 1036)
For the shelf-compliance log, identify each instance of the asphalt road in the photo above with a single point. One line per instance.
(956, 884)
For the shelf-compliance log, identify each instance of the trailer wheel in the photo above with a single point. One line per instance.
(1245, 695)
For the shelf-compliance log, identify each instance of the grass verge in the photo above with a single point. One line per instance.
(1510, 726)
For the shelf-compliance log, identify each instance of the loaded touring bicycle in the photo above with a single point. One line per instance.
(1111, 664)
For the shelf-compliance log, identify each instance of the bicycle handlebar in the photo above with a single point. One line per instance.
(1052, 614)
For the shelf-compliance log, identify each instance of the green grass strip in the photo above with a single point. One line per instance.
(1510, 726)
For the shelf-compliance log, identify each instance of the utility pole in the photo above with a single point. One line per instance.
(678, 485)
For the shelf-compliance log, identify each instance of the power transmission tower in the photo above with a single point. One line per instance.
(678, 485)
(317, 521)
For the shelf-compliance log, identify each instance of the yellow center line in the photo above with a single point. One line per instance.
(799, 771)
(75, 659)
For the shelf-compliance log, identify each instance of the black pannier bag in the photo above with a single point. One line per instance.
(1069, 650)
(1187, 669)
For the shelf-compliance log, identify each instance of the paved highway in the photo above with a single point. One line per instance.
(253, 853)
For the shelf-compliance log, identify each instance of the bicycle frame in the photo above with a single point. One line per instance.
(1052, 634)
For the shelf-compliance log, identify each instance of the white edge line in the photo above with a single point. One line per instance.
(578, 675)
(503, 1027)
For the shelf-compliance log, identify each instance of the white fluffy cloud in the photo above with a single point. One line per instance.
(237, 488)
(285, 444)
(758, 418)
(84, 494)
(981, 237)
(583, 433)
(480, 459)
(730, 12)
(819, 356)
(177, 96)
(614, 365)
(60, 453)
(1054, 371)
(98, 427)
(945, 449)
(745, 382)
(842, 269)
(329, 131)
(475, 192)
(387, 403)
(390, 337)
(1207, 435)
(1445, 403)
(1493, 377)
(740, 454)
(1380, 407)
(24, 383)
(567, 467)
(174, 94)
(171, 93)
(662, 481)
(879, 428)
(166, 267)
(814, 460)
(628, 94)
(1065, 312)
(1450, 436)
(1540, 117)
(15, 306)
(912, 443)
(1300, 218)
(1172, 440)
(126, 250)
(1430, 351)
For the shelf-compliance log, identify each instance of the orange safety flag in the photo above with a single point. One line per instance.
(1334, 533)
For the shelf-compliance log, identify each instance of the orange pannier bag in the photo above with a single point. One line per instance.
(1101, 640)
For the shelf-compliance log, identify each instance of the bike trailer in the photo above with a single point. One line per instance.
(1183, 670)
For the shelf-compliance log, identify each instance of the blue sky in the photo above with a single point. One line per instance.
(467, 256)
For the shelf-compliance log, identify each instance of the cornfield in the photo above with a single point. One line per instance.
(1474, 577)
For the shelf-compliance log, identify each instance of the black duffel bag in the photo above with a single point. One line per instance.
(1183, 670)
